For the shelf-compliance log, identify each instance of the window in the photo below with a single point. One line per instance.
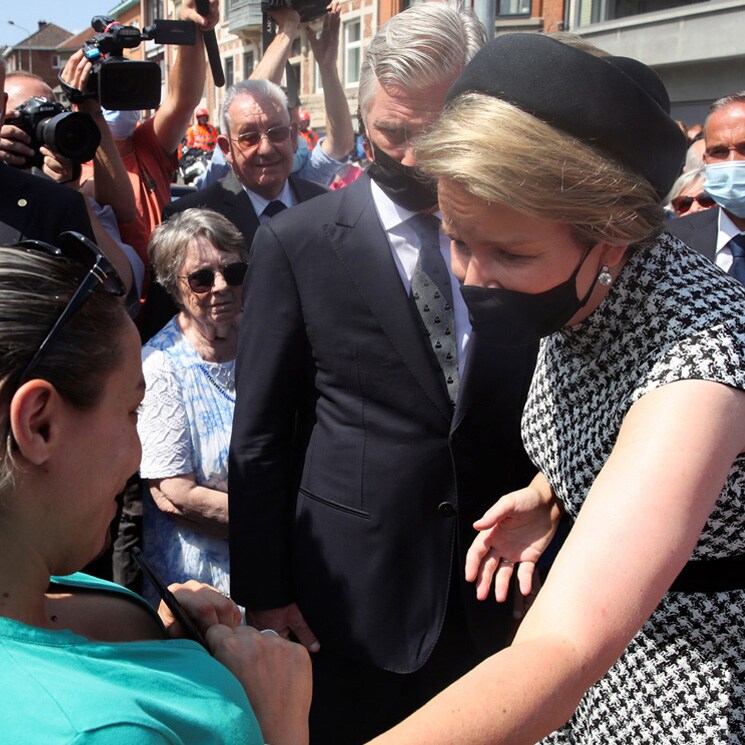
(597, 11)
(248, 64)
(229, 72)
(56, 62)
(154, 10)
(513, 7)
(352, 52)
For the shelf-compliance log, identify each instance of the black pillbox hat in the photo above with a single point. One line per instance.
(616, 104)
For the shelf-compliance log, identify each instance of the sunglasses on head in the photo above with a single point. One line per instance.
(99, 273)
(203, 280)
(681, 205)
(277, 135)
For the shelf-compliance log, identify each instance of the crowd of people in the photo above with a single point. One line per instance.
(448, 449)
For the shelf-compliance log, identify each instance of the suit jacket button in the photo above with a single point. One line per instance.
(446, 509)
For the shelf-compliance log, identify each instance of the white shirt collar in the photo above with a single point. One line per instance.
(727, 230)
(391, 214)
(259, 203)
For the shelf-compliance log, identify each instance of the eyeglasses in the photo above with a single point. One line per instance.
(203, 280)
(277, 135)
(79, 249)
(681, 205)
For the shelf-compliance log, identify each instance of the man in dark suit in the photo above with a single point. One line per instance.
(718, 233)
(259, 183)
(367, 439)
(259, 143)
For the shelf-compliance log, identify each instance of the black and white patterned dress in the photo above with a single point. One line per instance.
(671, 315)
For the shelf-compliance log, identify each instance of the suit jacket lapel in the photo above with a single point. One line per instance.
(361, 245)
(238, 207)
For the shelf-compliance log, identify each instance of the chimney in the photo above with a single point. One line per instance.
(42, 24)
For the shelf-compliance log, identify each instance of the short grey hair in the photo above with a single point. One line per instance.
(258, 88)
(428, 44)
(170, 243)
(725, 101)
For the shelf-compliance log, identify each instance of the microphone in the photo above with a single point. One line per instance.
(210, 44)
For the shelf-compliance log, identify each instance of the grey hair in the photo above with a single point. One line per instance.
(34, 290)
(258, 88)
(722, 103)
(685, 180)
(428, 44)
(170, 243)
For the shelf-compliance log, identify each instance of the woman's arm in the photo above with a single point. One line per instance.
(635, 532)
(182, 497)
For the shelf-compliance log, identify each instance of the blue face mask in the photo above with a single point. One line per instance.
(301, 155)
(121, 123)
(725, 183)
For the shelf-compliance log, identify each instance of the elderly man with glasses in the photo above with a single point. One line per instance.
(259, 143)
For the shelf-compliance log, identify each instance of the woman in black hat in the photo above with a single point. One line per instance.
(553, 165)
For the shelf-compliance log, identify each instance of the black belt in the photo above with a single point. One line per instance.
(712, 575)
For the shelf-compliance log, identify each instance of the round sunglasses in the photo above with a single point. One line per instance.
(681, 205)
(203, 280)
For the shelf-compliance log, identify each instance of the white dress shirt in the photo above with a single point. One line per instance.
(405, 245)
(727, 231)
(259, 203)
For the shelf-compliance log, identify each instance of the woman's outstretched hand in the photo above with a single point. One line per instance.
(516, 530)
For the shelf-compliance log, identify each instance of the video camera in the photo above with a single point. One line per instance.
(121, 84)
(69, 133)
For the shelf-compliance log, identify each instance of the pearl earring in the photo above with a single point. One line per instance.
(605, 277)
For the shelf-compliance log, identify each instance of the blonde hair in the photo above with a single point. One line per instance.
(499, 153)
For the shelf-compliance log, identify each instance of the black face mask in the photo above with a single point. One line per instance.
(405, 185)
(505, 318)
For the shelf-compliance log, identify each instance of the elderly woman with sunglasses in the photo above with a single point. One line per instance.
(83, 660)
(553, 165)
(186, 417)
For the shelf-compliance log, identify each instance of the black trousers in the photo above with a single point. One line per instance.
(353, 702)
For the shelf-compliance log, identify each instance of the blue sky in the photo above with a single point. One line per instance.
(73, 15)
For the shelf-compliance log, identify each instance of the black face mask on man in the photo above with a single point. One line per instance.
(506, 318)
(405, 185)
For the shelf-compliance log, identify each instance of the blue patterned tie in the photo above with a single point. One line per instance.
(737, 245)
(433, 296)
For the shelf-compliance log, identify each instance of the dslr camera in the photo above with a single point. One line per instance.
(308, 10)
(69, 133)
(121, 84)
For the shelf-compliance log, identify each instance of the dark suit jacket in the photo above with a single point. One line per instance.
(698, 230)
(36, 207)
(229, 198)
(366, 531)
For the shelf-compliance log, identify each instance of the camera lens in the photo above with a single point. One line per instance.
(71, 134)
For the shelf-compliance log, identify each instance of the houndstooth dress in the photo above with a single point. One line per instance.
(671, 315)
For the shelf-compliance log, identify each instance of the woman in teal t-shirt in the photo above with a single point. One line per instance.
(83, 660)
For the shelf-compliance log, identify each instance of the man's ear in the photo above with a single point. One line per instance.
(34, 420)
(224, 144)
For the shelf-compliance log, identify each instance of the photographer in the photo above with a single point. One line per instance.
(31, 206)
(149, 151)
